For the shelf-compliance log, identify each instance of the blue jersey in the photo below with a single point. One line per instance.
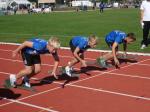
(39, 47)
(80, 42)
(115, 36)
(101, 5)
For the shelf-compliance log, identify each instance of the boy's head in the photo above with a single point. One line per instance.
(53, 44)
(130, 38)
(93, 41)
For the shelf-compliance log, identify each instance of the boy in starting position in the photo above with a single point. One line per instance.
(113, 39)
(30, 51)
(78, 46)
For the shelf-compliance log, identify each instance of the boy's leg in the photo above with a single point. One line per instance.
(36, 68)
(75, 61)
(13, 78)
(108, 56)
(105, 58)
(29, 62)
(68, 68)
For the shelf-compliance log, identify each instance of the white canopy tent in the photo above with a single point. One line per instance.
(19, 3)
(3, 4)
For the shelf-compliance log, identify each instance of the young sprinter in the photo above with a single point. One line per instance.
(113, 39)
(30, 51)
(78, 46)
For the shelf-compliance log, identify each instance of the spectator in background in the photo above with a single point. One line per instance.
(15, 10)
(94, 4)
(145, 22)
(101, 7)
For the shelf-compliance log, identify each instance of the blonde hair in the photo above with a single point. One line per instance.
(93, 38)
(54, 41)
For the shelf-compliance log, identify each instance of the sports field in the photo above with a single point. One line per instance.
(122, 89)
(65, 25)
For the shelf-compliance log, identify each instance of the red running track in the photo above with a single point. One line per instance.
(113, 90)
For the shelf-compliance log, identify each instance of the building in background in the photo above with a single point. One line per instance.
(46, 3)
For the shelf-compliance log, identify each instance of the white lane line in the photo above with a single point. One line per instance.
(72, 83)
(70, 57)
(30, 96)
(93, 50)
(144, 64)
(111, 92)
(43, 110)
(30, 105)
(50, 55)
(132, 76)
(95, 71)
(101, 72)
(102, 90)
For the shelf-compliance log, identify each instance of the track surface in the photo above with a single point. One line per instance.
(97, 90)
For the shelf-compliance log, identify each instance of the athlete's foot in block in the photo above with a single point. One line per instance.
(12, 79)
(68, 71)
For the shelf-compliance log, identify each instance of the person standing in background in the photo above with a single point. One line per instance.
(101, 7)
(145, 22)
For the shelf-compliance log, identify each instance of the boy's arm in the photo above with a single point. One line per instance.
(75, 53)
(114, 50)
(56, 58)
(125, 48)
(23, 45)
(114, 53)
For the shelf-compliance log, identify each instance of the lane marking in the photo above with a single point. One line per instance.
(74, 82)
(30, 105)
(94, 50)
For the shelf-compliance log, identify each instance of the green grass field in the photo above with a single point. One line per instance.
(65, 25)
